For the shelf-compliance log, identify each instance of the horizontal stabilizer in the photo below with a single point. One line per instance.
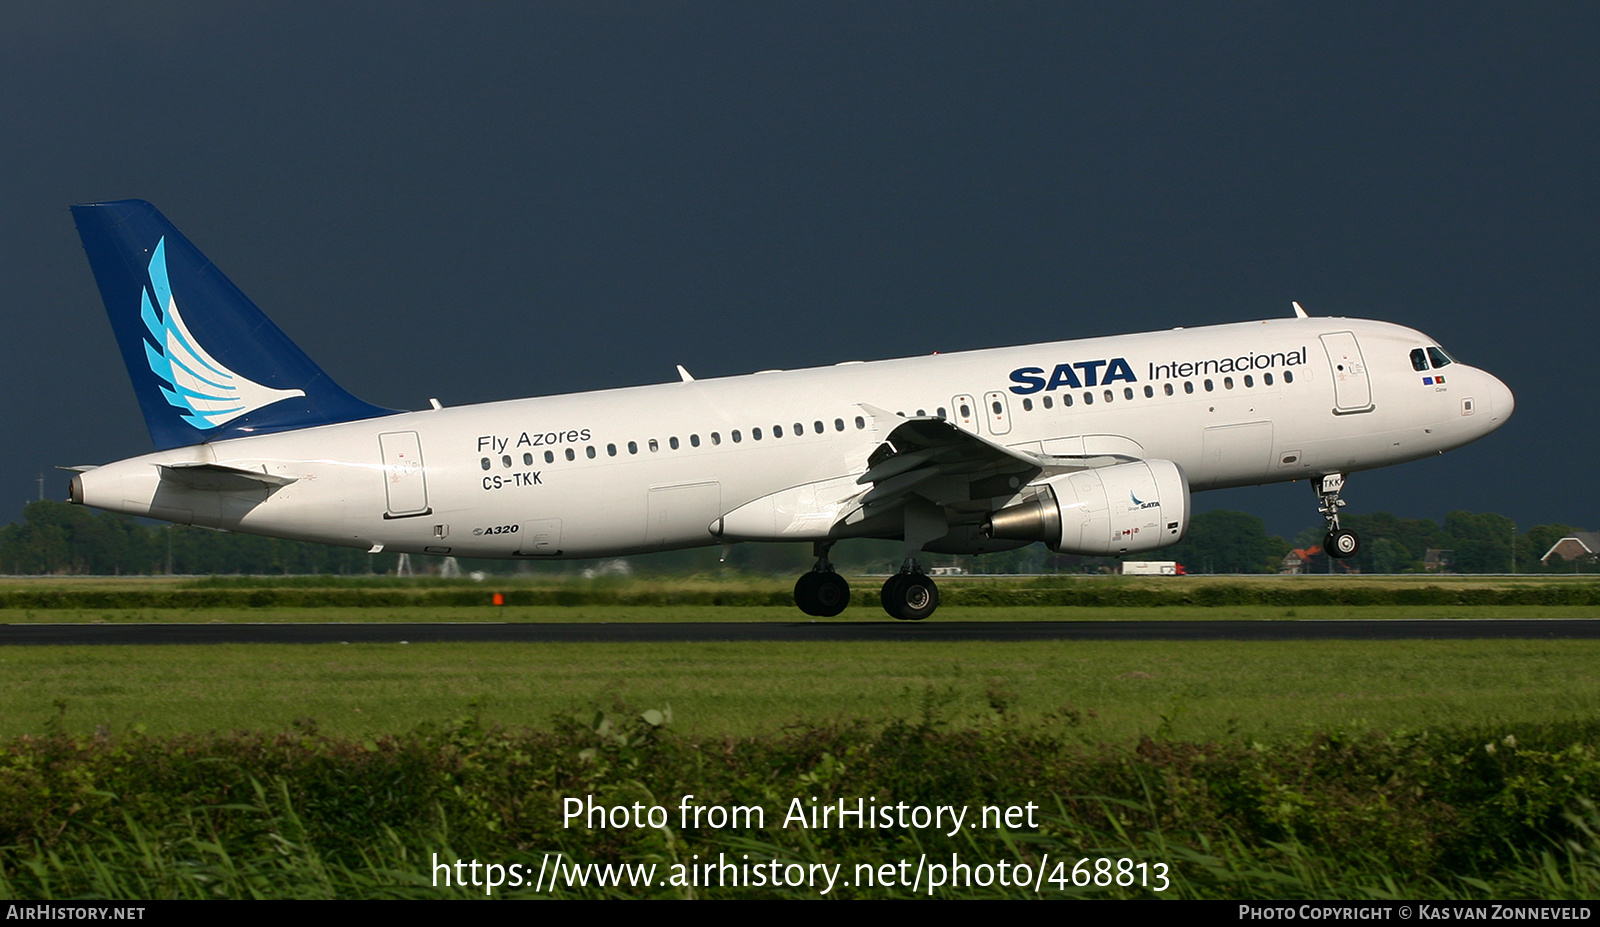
(218, 478)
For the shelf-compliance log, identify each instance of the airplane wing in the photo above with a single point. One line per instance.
(936, 460)
(920, 458)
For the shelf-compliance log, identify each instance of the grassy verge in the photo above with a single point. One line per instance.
(1464, 813)
(1052, 591)
(860, 611)
(1106, 691)
(1340, 769)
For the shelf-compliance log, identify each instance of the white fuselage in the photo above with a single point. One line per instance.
(657, 467)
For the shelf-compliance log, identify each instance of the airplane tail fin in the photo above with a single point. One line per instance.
(205, 362)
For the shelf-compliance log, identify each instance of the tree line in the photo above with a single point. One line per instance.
(57, 538)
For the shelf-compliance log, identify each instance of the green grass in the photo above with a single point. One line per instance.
(1272, 733)
(859, 611)
(1481, 812)
(257, 595)
(1106, 691)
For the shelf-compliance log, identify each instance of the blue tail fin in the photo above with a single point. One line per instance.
(205, 362)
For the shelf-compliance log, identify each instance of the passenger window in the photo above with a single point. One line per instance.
(1027, 405)
(735, 436)
(694, 440)
(1288, 376)
(1088, 399)
(1266, 378)
(716, 437)
(672, 442)
(799, 429)
(1227, 382)
(589, 452)
(1149, 391)
(527, 460)
(654, 445)
(838, 424)
(505, 459)
(1419, 359)
(755, 434)
(1188, 386)
(777, 431)
(633, 447)
(1127, 392)
(571, 455)
(1167, 388)
(1249, 381)
(1066, 400)
(549, 456)
(611, 450)
(1210, 386)
(1110, 396)
(817, 427)
(941, 414)
(1047, 402)
(485, 463)
(861, 423)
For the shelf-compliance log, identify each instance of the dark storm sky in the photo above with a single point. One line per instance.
(487, 201)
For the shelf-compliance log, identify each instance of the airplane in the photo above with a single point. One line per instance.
(1092, 446)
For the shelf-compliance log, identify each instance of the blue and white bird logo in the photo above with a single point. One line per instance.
(206, 393)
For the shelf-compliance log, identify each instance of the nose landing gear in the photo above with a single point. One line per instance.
(1339, 543)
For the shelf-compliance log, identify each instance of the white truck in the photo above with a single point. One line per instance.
(1152, 568)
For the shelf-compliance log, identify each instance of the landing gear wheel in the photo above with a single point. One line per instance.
(1341, 544)
(821, 592)
(805, 593)
(891, 591)
(910, 596)
(832, 594)
(822, 595)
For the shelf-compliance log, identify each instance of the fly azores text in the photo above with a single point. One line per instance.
(496, 444)
(1110, 370)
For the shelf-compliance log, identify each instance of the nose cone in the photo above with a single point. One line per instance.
(1501, 402)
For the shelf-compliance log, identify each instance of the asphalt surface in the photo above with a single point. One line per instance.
(800, 631)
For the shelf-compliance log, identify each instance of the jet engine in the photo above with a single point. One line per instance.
(1108, 511)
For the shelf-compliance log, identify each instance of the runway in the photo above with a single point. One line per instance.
(799, 631)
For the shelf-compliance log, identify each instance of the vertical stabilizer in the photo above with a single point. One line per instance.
(205, 362)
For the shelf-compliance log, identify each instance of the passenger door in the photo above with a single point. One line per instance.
(1352, 390)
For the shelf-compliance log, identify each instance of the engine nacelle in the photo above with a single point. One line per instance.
(1107, 511)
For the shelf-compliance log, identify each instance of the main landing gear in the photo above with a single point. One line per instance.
(822, 592)
(1339, 543)
(910, 595)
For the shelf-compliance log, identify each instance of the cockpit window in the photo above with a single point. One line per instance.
(1440, 359)
(1419, 359)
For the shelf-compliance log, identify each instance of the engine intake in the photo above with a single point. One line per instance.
(1109, 511)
